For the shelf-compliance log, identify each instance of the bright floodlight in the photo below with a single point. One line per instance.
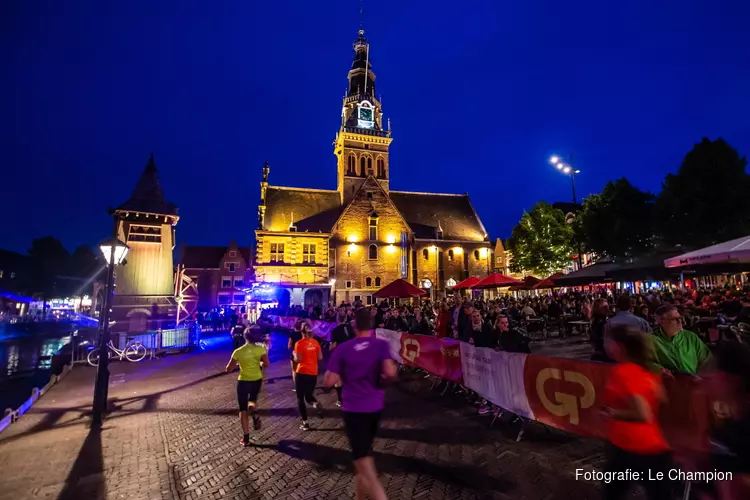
(578, 171)
(566, 170)
(121, 250)
(554, 159)
(559, 166)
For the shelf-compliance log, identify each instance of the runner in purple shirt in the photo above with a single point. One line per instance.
(362, 366)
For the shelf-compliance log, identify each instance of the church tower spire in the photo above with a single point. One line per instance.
(361, 144)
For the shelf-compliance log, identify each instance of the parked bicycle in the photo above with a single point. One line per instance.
(133, 352)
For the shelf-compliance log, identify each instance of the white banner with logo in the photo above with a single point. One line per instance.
(497, 376)
(394, 340)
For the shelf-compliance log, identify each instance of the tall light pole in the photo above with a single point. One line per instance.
(114, 252)
(569, 169)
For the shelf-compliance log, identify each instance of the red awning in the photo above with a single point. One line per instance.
(527, 283)
(548, 282)
(398, 289)
(496, 280)
(467, 283)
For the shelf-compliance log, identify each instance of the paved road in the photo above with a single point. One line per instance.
(173, 434)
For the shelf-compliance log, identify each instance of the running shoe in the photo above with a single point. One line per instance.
(305, 426)
(244, 443)
(256, 422)
(338, 403)
(318, 407)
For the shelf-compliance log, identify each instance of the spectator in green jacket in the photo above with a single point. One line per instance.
(677, 349)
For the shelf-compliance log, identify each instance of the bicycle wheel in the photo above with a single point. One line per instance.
(135, 352)
(93, 357)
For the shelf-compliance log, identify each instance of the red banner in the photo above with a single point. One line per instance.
(566, 393)
(441, 357)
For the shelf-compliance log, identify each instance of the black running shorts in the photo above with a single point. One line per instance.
(361, 429)
(247, 391)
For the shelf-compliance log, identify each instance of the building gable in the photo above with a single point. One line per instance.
(370, 201)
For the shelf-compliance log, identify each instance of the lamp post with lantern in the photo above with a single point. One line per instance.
(114, 252)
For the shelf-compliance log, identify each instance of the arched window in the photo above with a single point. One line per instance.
(476, 254)
(373, 252)
(377, 281)
(351, 166)
(381, 167)
(368, 282)
(369, 166)
(362, 166)
(426, 254)
(450, 255)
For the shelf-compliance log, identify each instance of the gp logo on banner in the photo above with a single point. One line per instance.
(410, 350)
(566, 393)
(565, 405)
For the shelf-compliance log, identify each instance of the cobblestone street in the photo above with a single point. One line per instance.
(173, 434)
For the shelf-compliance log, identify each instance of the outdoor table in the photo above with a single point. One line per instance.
(582, 325)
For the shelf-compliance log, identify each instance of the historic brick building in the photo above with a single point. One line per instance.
(221, 274)
(349, 242)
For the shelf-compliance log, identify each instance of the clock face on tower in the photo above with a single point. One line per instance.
(365, 117)
(365, 114)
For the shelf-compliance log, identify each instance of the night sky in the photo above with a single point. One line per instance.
(478, 97)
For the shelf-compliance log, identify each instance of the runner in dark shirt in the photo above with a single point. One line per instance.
(345, 330)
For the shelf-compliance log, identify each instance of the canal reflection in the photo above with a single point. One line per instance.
(23, 356)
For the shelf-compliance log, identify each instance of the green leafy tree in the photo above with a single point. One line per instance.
(48, 259)
(708, 200)
(542, 241)
(84, 263)
(618, 222)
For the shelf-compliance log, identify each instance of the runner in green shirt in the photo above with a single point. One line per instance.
(677, 349)
(250, 357)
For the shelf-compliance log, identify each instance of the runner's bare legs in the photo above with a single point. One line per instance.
(366, 480)
(244, 422)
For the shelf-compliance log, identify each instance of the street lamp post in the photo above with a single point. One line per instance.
(114, 252)
(569, 169)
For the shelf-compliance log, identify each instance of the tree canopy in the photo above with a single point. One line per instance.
(707, 200)
(52, 271)
(541, 242)
(618, 222)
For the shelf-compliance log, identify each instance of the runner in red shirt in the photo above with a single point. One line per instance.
(307, 353)
(632, 397)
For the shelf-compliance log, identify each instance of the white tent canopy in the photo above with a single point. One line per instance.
(734, 251)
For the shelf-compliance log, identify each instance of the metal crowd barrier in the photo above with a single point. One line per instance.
(161, 341)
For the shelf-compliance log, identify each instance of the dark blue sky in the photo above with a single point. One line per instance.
(479, 94)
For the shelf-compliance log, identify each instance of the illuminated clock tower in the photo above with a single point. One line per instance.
(362, 143)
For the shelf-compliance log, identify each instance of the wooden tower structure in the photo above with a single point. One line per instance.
(145, 294)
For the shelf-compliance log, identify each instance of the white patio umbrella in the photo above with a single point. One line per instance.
(734, 251)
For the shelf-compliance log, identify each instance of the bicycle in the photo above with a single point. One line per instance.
(133, 352)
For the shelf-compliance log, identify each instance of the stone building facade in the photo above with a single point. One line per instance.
(345, 244)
